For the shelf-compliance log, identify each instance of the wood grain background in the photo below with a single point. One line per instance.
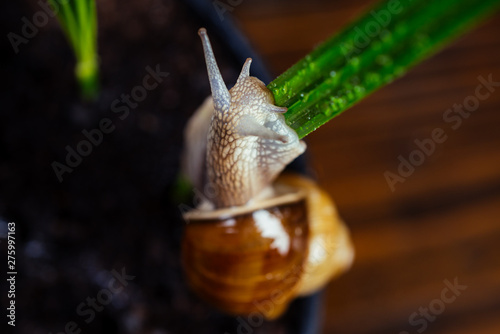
(442, 223)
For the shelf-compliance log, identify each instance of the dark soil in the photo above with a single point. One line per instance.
(114, 211)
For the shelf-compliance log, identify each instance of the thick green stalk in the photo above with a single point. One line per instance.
(373, 51)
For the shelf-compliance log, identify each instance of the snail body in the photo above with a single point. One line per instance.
(248, 142)
(259, 239)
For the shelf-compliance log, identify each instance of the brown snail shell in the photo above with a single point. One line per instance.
(257, 258)
(330, 251)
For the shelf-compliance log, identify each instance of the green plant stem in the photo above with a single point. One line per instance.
(346, 68)
(78, 19)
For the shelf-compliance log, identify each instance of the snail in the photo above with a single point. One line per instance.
(258, 239)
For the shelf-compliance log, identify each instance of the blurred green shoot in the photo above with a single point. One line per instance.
(78, 19)
(374, 50)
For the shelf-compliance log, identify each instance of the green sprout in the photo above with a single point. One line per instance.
(78, 19)
(379, 47)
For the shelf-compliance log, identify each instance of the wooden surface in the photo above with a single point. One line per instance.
(442, 223)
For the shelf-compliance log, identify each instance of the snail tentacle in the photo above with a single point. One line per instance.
(220, 94)
(245, 71)
(248, 126)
